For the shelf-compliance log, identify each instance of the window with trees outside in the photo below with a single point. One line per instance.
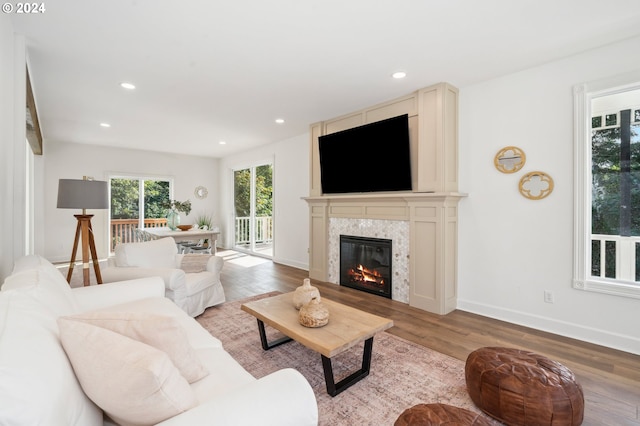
(253, 202)
(607, 189)
(136, 203)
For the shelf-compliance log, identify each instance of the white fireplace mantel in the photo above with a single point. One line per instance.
(431, 208)
(432, 237)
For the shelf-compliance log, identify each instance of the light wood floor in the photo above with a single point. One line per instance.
(610, 378)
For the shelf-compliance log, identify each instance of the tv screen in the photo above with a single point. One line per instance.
(374, 157)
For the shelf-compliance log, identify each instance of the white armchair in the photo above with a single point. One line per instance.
(192, 281)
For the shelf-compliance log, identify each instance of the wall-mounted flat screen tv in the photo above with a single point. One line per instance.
(374, 157)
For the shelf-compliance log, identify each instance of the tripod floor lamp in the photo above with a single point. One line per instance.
(83, 194)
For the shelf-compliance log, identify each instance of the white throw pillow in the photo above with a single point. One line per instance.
(134, 383)
(160, 253)
(161, 332)
(192, 263)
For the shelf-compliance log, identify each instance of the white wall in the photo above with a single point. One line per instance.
(73, 161)
(512, 249)
(12, 146)
(291, 182)
(6, 143)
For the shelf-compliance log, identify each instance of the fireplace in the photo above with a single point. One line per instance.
(365, 264)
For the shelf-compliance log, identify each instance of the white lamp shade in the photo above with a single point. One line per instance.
(82, 194)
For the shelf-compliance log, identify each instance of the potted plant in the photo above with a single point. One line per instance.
(205, 220)
(175, 207)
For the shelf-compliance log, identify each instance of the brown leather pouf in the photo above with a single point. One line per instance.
(439, 415)
(523, 388)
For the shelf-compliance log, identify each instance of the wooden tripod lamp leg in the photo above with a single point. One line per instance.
(86, 278)
(94, 255)
(72, 262)
(85, 231)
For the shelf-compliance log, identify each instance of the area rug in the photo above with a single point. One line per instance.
(402, 375)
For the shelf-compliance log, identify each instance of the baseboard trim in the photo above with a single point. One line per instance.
(571, 330)
(292, 263)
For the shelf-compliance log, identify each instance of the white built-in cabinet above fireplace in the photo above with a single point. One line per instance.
(433, 133)
(431, 208)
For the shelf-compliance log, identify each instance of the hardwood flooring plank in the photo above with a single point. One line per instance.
(610, 378)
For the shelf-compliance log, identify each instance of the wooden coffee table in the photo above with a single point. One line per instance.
(347, 327)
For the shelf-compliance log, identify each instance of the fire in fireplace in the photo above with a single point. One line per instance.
(365, 264)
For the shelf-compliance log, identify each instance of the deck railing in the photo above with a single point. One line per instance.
(263, 230)
(616, 257)
(122, 230)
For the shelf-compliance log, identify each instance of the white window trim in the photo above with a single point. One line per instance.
(583, 94)
(135, 176)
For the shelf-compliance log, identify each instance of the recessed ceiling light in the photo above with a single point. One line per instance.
(222, 143)
(105, 124)
(279, 120)
(128, 86)
(399, 74)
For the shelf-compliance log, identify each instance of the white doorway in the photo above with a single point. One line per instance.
(253, 209)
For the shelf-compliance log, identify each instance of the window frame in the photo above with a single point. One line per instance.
(140, 178)
(583, 95)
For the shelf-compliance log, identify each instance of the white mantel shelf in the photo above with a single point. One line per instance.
(373, 196)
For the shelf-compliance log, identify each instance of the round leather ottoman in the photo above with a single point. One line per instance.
(439, 415)
(523, 388)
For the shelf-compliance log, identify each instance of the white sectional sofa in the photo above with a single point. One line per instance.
(42, 381)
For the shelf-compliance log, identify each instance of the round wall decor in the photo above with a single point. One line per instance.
(536, 185)
(509, 159)
(201, 192)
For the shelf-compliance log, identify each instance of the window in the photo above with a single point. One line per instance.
(615, 192)
(136, 202)
(607, 186)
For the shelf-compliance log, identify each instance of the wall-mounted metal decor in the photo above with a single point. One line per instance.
(509, 159)
(536, 185)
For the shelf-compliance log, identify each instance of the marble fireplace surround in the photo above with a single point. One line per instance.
(396, 231)
(422, 226)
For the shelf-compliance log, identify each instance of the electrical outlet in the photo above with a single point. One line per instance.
(548, 296)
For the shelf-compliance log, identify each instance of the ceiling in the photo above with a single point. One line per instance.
(208, 71)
